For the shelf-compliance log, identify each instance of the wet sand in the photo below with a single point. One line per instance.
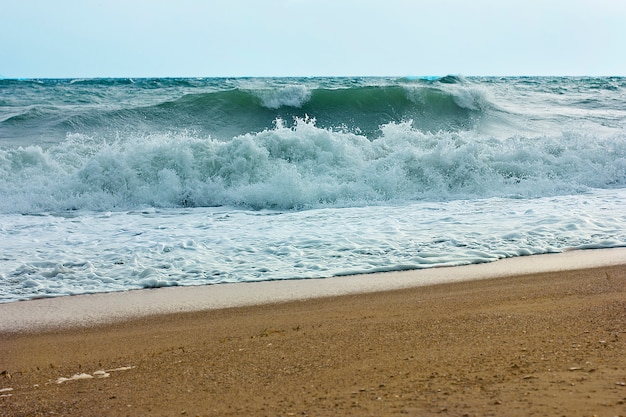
(539, 343)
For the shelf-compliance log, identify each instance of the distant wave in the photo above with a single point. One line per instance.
(227, 112)
(362, 109)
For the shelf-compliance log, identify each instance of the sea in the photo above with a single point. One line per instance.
(119, 184)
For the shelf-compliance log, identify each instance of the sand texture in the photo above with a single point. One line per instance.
(548, 344)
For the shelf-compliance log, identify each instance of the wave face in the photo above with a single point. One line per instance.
(119, 144)
(49, 109)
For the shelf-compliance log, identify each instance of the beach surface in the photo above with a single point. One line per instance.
(540, 335)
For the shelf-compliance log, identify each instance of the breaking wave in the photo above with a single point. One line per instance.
(299, 166)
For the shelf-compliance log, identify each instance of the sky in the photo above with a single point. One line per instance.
(236, 38)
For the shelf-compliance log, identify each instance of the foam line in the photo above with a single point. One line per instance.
(88, 310)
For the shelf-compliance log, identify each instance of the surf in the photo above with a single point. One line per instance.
(115, 184)
(301, 165)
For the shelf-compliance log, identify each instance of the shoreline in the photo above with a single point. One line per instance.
(106, 308)
(541, 343)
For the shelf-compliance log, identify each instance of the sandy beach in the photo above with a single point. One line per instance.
(525, 341)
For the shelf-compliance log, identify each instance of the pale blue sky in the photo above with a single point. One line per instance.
(155, 38)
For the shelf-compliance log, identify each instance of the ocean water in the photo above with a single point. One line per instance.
(118, 184)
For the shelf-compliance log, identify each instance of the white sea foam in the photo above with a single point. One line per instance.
(274, 98)
(303, 166)
(86, 252)
(97, 374)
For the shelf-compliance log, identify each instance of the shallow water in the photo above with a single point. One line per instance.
(82, 252)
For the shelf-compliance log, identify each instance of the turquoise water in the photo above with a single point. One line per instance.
(112, 184)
